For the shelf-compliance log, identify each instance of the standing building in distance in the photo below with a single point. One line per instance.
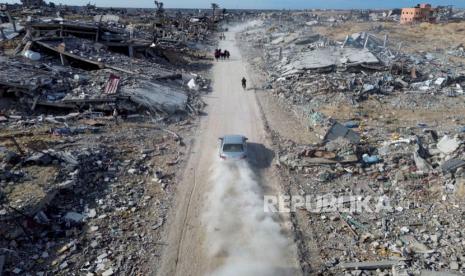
(420, 13)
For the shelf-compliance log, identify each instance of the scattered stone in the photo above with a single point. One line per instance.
(454, 265)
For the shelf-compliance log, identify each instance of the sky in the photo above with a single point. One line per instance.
(260, 4)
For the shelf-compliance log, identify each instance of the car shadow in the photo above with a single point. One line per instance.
(202, 113)
(260, 157)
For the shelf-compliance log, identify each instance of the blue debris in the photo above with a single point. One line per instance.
(370, 159)
(351, 124)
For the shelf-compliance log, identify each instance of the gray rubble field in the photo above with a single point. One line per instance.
(96, 114)
(109, 120)
(377, 124)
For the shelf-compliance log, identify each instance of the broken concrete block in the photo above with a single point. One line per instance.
(415, 246)
(439, 81)
(91, 213)
(452, 164)
(339, 130)
(192, 85)
(108, 272)
(39, 158)
(327, 57)
(157, 97)
(448, 145)
(454, 265)
(460, 188)
(63, 265)
(401, 82)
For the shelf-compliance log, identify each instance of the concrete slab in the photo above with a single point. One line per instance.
(9, 31)
(331, 56)
(155, 96)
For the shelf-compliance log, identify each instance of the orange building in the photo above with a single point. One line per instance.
(420, 13)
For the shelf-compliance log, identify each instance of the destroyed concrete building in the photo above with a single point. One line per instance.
(352, 95)
(96, 116)
(92, 119)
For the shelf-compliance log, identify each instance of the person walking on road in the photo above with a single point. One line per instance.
(217, 54)
(244, 83)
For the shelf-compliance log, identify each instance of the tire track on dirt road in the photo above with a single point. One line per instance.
(218, 226)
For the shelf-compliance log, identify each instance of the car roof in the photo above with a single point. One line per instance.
(233, 139)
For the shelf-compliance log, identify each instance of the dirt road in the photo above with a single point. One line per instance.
(218, 226)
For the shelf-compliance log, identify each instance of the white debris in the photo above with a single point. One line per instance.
(404, 230)
(192, 85)
(440, 81)
(108, 272)
(91, 213)
(448, 145)
(32, 55)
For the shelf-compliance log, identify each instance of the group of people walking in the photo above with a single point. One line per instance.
(221, 54)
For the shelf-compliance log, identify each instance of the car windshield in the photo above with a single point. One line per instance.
(233, 148)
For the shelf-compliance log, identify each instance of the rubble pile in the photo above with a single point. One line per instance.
(78, 73)
(93, 119)
(410, 176)
(53, 85)
(420, 178)
(307, 69)
(75, 188)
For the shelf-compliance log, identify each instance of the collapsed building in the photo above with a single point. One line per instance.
(33, 3)
(92, 119)
(91, 49)
(365, 103)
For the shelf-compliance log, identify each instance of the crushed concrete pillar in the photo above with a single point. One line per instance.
(12, 21)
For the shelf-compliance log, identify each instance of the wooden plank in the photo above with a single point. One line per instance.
(34, 103)
(369, 265)
(63, 60)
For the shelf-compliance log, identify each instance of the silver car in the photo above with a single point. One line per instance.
(233, 147)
